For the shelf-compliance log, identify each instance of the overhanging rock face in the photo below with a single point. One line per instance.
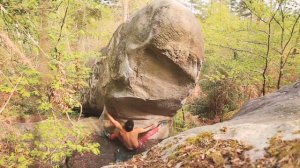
(152, 62)
(269, 124)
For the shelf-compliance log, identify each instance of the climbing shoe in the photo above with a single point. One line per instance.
(162, 123)
(105, 134)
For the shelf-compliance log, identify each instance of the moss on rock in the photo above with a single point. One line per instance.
(204, 150)
(281, 153)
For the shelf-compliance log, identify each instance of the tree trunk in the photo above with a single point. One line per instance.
(279, 76)
(43, 37)
(264, 74)
(125, 10)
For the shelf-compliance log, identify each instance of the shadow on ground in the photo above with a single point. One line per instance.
(111, 152)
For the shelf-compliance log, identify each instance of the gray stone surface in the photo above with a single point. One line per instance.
(152, 62)
(258, 120)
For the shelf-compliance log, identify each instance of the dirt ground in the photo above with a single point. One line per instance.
(111, 152)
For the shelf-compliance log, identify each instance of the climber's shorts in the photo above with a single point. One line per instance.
(146, 137)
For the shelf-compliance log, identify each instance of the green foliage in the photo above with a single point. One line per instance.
(58, 38)
(49, 144)
(51, 35)
(45, 50)
(184, 120)
(179, 124)
(228, 71)
(236, 45)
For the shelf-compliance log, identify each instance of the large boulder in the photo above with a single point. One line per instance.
(152, 62)
(265, 133)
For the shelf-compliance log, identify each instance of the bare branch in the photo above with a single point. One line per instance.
(249, 8)
(8, 80)
(282, 29)
(264, 44)
(10, 96)
(10, 45)
(264, 74)
(234, 49)
(278, 23)
(255, 42)
(289, 53)
(292, 32)
(62, 24)
(247, 30)
(23, 29)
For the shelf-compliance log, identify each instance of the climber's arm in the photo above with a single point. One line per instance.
(113, 121)
(142, 130)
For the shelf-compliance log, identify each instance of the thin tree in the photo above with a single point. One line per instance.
(125, 10)
(286, 49)
(266, 58)
(44, 36)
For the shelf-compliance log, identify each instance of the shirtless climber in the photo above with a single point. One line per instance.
(129, 135)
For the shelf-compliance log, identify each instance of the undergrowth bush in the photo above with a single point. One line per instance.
(50, 143)
(220, 97)
(179, 124)
(223, 91)
(184, 120)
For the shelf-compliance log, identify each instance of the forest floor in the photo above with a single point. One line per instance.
(111, 152)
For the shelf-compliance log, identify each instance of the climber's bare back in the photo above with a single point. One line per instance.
(129, 139)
